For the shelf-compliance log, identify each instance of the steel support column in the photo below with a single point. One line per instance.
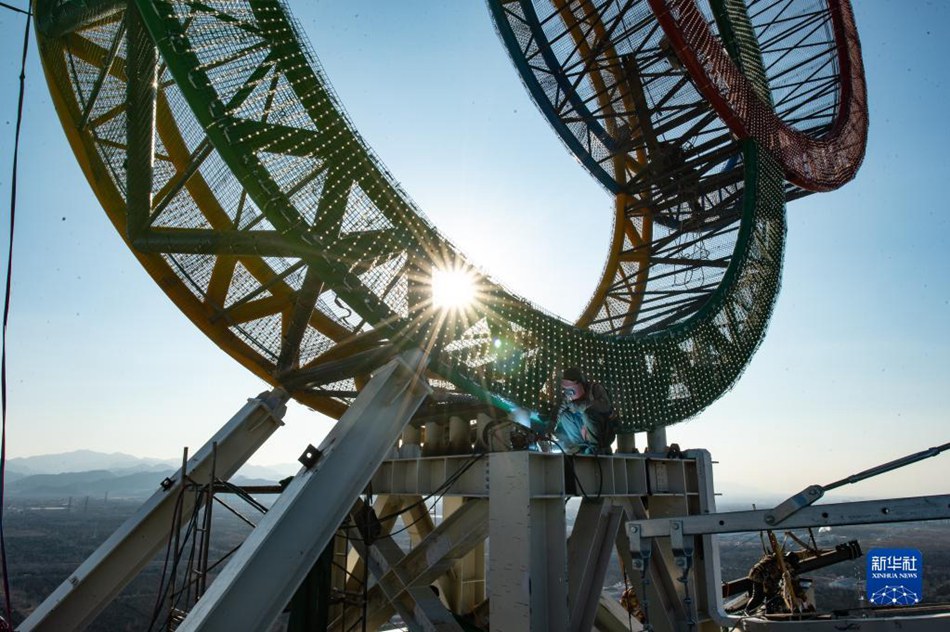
(588, 553)
(527, 561)
(656, 440)
(255, 585)
(708, 567)
(105, 573)
(656, 586)
(465, 583)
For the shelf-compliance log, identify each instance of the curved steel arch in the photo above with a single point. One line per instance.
(674, 167)
(817, 160)
(229, 165)
(610, 80)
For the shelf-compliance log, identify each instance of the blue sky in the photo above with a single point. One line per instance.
(854, 370)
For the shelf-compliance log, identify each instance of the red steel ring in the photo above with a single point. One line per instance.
(816, 164)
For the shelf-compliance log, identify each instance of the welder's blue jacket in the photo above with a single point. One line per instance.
(569, 432)
(593, 413)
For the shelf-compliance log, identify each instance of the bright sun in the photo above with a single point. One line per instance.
(452, 288)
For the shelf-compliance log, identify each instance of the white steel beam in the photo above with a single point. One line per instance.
(433, 557)
(258, 581)
(616, 475)
(708, 569)
(588, 556)
(418, 606)
(419, 524)
(77, 601)
(527, 562)
(863, 512)
(384, 505)
(464, 585)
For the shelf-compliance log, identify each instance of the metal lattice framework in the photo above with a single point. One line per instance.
(216, 146)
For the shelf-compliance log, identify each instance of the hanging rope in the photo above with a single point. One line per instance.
(6, 315)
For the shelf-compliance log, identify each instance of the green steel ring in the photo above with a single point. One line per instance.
(230, 158)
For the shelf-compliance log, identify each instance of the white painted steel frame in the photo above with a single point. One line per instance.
(536, 580)
(90, 588)
(257, 583)
(832, 514)
(527, 561)
(400, 576)
(588, 551)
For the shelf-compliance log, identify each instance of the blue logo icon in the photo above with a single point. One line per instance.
(895, 577)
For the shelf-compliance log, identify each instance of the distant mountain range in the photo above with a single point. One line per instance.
(85, 461)
(90, 473)
(118, 475)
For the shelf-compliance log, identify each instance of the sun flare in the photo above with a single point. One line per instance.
(452, 289)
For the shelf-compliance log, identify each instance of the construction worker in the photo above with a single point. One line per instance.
(586, 421)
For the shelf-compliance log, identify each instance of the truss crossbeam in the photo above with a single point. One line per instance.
(55, 19)
(401, 576)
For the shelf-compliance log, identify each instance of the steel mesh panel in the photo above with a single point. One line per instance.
(387, 281)
(313, 345)
(475, 352)
(187, 125)
(601, 71)
(257, 221)
(337, 308)
(243, 285)
(92, 102)
(816, 158)
(111, 128)
(307, 222)
(194, 269)
(180, 212)
(362, 214)
(308, 195)
(797, 42)
(163, 169)
(327, 305)
(262, 333)
(290, 271)
(342, 390)
(285, 109)
(219, 179)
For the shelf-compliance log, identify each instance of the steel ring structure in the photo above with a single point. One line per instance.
(214, 142)
(818, 158)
